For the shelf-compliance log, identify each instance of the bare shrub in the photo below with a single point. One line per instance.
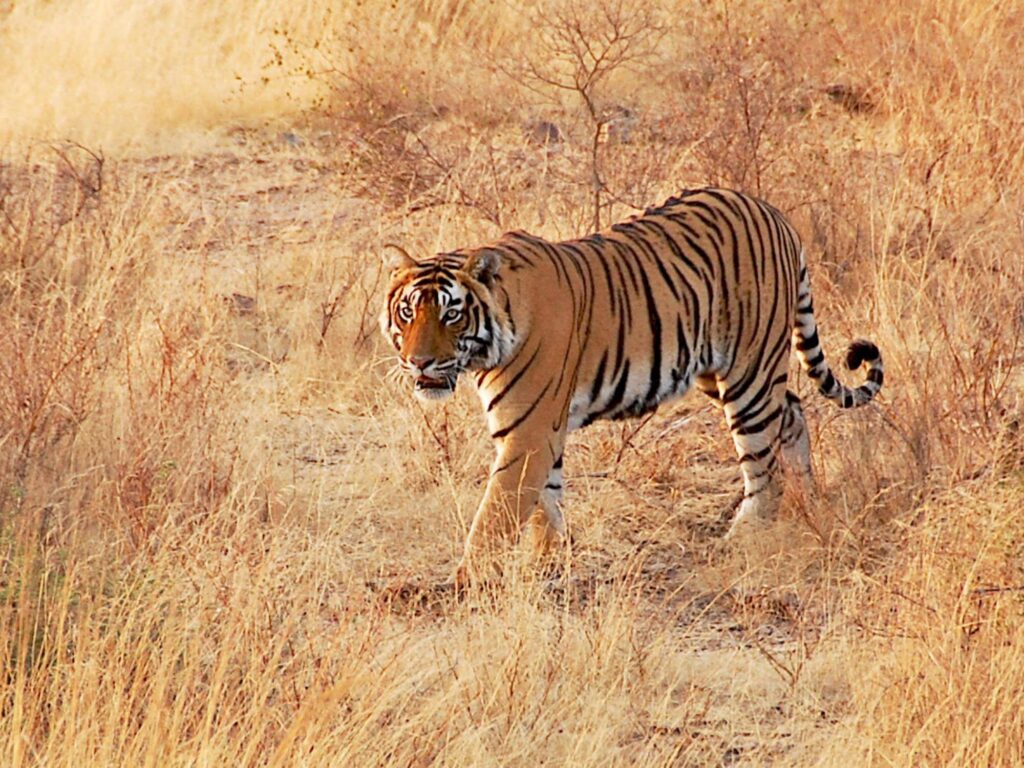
(579, 48)
(56, 302)
(99, 373)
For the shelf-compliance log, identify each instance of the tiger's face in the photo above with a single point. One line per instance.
(441, 317)
(427, 326)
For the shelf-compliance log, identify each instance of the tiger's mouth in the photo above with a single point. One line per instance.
(431, 388)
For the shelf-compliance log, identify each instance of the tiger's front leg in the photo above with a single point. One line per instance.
(517, 480)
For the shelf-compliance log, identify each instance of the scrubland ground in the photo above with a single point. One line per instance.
(211, 479)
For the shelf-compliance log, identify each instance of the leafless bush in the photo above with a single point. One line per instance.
(51, 333)
(83, 383)
(579, 48)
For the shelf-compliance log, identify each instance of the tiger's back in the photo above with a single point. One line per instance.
(697, 289)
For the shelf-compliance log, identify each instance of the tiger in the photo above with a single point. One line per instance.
(708, 290)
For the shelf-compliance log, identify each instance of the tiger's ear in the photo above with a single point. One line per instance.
(395, 257)
(483, 265)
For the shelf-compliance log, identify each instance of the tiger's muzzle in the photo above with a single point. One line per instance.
(432, 380)
(428, 388)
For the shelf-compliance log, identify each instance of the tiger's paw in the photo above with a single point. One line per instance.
(749, 520)
(473, 574)
(462, 578)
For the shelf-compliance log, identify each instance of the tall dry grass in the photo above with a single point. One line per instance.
(209, 476)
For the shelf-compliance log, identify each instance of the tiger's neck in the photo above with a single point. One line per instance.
(505, 333)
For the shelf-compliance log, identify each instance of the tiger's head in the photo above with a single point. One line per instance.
(443, 318)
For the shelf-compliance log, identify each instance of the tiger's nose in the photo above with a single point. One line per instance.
(421, 361)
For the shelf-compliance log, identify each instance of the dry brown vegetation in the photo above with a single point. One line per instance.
(208, 477)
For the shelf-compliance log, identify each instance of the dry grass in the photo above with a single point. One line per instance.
(208, 476)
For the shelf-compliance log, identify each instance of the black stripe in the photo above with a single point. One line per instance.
(523, 417)
(617, 394)
(807, 343)
(655, 319)
(641, 242)
(599, 254)
(683, 355)
(525, 238)
(595, 390)
(498, 397)
(756, 456)
(620, 350)
(506, 465)
(708, 216)
(753, 409)
(749, 429)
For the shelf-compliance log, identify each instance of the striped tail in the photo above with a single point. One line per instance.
(808, 349)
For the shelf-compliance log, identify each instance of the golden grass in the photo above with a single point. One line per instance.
(209, 476)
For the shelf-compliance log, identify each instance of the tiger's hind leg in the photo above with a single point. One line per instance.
(795, 441)
(755, 418)
(549, 528)
(709, 386)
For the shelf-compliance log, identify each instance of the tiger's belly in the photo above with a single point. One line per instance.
(629, 396)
